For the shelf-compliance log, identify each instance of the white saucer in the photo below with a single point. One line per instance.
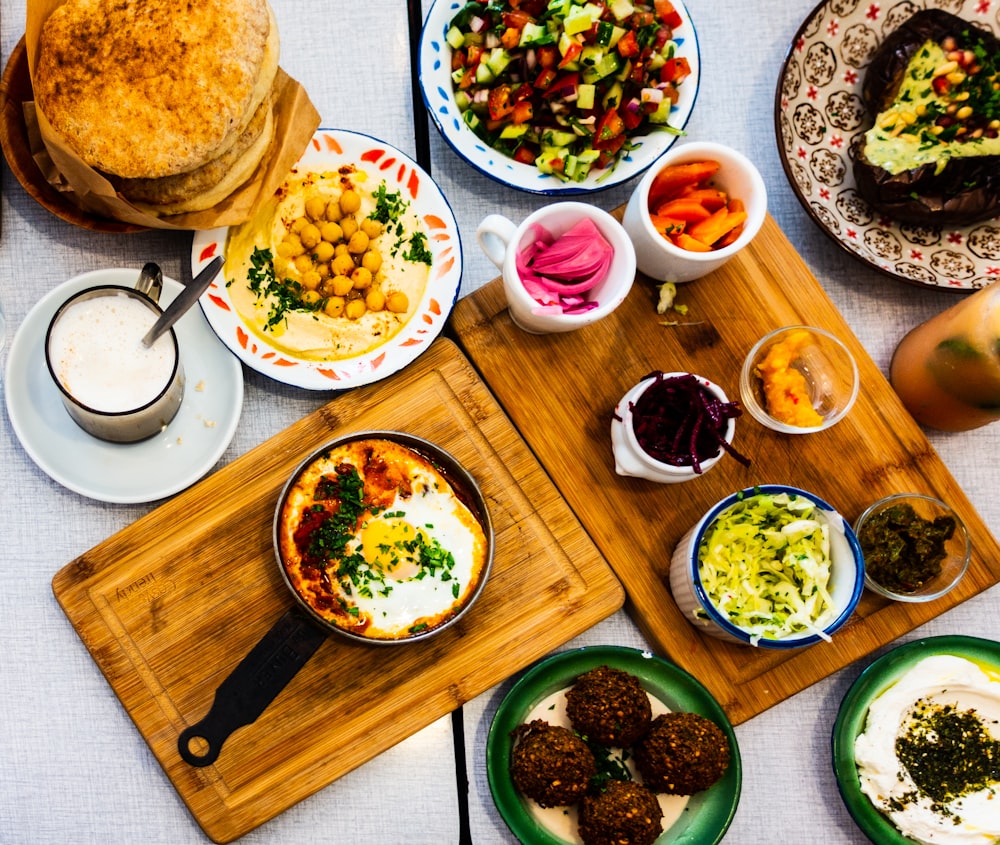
(131, 472)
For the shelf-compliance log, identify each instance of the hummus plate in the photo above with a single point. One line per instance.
(852, 717)
(310, 365)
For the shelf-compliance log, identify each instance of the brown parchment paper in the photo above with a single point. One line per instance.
(295, 121)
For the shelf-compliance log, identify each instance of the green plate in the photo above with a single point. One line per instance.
(871, 683)
(708, 814)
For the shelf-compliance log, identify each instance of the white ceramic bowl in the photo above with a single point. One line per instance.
(501, 240)
(436, 86)
(659, 258)
(632, 460)
(846, 578)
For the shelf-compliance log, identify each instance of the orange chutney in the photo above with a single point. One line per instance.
(786, 393)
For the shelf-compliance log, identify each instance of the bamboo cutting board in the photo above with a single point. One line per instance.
(560, 391)
(169, 605)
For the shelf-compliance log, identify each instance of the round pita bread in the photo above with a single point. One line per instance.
(152, 89)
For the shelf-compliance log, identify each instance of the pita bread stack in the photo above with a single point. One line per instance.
(171, 100)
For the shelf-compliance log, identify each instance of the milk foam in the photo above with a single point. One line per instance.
(96, 351)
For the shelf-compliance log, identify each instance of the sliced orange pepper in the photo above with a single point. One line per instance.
(674, 177)
(685, 241)
(685, 208)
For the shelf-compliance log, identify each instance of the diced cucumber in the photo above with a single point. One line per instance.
(621, 9)
(484, 76)
(662, 114)
(498, 60)
(557, 138)
(578, 20)
(462, 100)
(471, 119)
(511, 130)
(591, 55)
(613, 96)
(533, 34)
(456, 75)
(455, 38)
(547, 156)
(585, 96)
(607, 66)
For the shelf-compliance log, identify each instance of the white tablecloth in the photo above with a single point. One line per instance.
(73, 768)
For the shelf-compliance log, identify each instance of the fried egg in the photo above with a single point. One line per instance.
(377, 540)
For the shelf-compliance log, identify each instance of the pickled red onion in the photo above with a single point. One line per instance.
(556, 271)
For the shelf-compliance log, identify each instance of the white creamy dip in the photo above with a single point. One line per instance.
(563, 822)
(314, 335)
(908, 708)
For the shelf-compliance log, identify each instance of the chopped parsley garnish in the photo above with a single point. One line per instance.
(337, 526)
(284, 296)
(418, 252)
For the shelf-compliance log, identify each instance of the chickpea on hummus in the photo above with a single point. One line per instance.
(332, 266)
(929, 756)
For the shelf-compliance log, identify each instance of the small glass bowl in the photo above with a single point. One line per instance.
(958, 549)
(828, 368)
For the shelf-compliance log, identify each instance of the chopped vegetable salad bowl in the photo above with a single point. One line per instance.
(577, 98)
(770, 566)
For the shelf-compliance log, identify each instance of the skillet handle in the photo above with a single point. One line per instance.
(252, 686)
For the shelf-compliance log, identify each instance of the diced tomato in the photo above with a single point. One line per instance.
(627, 45)
(638, 72)
(545, 78)
(500, 103)
(631, 117)
(675, 70)
(637, 20)
(522, 92)
(563, 85)
(666, 12)
(609, 128)
(511, 38)
(523, 112)
(547, 55)
(572, 53)
(474, 55)
(525, 155)
(516, 19)
(468, 78)
(458, 59)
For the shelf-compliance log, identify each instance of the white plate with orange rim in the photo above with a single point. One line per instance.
(328, 150)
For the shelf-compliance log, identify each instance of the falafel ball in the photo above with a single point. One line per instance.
(625, 813)
(682, 753)
(609, 706)
(550, 764)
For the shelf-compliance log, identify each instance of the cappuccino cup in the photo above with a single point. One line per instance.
(113, 386)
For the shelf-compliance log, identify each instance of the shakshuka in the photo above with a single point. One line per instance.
(377, 541)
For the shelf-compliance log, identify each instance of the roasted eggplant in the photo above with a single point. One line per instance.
(932, 156)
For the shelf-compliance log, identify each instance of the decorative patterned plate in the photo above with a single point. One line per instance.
(329, 149)
(707, 815)
(436, 86)
(818, 111)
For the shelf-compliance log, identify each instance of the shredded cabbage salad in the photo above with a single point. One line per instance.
(765, 564)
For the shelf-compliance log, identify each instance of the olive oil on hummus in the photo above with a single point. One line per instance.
(270, 285)
(929, 756)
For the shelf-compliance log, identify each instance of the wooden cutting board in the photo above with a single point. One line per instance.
(169, 605)
(560, 391)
